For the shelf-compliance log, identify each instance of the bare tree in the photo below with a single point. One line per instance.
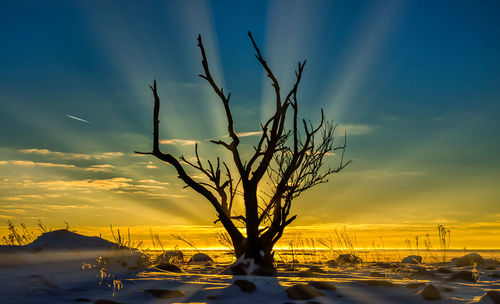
(288, 159)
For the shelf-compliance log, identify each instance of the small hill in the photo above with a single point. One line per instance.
(67, 240)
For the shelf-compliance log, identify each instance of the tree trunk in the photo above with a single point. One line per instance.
(253, 258)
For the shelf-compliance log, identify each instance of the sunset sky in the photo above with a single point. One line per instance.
(416, 85)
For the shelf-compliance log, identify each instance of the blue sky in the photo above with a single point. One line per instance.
(414, 83)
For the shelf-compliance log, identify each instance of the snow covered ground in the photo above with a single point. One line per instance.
(66, 268)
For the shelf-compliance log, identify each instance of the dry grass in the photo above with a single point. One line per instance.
(342, 242)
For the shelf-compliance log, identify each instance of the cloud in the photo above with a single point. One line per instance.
(29, 163)
(177, 141)
(99, 168)
(250, 133)
(21, 208)
(17, 210)
(192, 142)
(98, 184)
(22, 197)
(66, 155)
(152, 181)
(355, 129)
(39, 164)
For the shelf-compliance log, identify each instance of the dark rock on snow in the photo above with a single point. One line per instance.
(375, 274)
(305, 273)
(245, 286)
(169, 267)
(302, 292)
(382, 283)
(322, 285)
(443, 270)
(349, 258)
(316, 269)
(415, 285)
(465, 275)
(412, 259)
(332, 263)
(169, 256)
(165, 293)
(430, 293)
(492, 295)
(103, 301)
(469, 260)
(200, 257)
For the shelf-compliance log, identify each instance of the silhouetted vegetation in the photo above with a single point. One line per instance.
(288, 159)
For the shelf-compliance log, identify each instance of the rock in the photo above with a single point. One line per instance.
(415, 285)
(492, 296)
(469, 260)
(332, 263)
(170, 256)
(200, 257)
(491, 264)
(382, 283)
(375, 274)
(384, 265)
(302, 292)
(316, 269)
(103, 301)
(169, 267)
(349, 258)
(465, 275)
(412, 259)
(165, 293)
(430, 293)
(245, 286)
(322, 285)
(443, 270)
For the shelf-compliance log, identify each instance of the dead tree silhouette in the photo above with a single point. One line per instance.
(287, 161)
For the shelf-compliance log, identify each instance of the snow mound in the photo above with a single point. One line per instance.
(67, 240)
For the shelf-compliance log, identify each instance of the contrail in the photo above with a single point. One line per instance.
(79, 119)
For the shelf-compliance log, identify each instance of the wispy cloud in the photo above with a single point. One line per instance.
(355, 129)
(39, 164)
(29, 163)
(67, 155)
(23, 208)
(192, 142)
(178, 141)
(99, 168)
(96, 184)
(250, 133)
(152, 181)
